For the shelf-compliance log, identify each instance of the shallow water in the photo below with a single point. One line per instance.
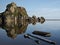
(49, 26)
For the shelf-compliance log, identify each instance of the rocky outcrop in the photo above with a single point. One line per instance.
(15, 20)
(12, 8)
(13, 14)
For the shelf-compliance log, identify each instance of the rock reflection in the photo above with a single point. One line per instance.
(14, 29)
(15, 20)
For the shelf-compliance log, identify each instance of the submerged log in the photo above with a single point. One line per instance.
(27, 36)
(43, 39)
(45, 34)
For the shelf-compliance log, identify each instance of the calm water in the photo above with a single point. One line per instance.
(18, 39)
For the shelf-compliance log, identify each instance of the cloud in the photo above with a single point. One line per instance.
(46, 12)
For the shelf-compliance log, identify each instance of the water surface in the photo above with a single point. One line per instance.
(6, 38)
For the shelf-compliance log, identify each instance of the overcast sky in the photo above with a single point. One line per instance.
(45, 8)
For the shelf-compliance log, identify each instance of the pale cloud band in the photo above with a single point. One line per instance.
(46, 12)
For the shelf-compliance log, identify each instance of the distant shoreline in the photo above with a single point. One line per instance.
(52, 19)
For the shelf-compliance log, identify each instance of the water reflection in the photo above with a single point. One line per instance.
(13, 29)
(14, 26)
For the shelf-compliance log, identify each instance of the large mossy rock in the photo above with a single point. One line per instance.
(12, 8)
(13, 14)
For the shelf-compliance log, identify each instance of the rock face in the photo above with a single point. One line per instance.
(12, 8)
(13, 14)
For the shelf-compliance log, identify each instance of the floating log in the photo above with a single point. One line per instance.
(43, 39)
(45, 34)
(27, 36)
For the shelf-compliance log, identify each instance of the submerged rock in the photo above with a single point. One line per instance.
(46, 34)
(42, 20)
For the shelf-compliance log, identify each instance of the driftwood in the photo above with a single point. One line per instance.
(40, 38)
(36, 41)
(45, 34)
